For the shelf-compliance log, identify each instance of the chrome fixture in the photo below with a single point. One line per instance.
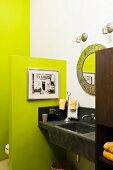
(108, 28)
(83, 38)
(92, 115)
(68, 95)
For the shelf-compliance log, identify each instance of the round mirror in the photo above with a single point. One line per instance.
(86, 68)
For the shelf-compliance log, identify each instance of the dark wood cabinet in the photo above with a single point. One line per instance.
(104, 105)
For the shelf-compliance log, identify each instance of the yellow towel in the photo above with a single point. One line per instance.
(108, 146)
(72, 104)
(62, 104)
(108, 155)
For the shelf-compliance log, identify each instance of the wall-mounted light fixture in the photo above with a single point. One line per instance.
(83, 38)
(108, 28)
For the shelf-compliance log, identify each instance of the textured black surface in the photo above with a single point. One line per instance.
(55, 114)
(82, 144)
(78, 143)
(78, 127)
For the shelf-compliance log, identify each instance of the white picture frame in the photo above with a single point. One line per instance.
(43, 84)
(89, 77)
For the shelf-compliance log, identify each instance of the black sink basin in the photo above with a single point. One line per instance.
(78, 127)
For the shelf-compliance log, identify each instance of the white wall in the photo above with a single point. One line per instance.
(56, 23)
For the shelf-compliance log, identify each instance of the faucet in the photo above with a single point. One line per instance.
(92, 115)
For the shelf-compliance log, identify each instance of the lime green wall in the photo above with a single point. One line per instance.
(28, 148)
(14, 39)
(89, 64)
(83, 163)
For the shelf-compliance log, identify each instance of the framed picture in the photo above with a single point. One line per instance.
(89, 77)
(43, 84)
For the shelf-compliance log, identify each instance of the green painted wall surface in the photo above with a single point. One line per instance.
(14, 40)
(29, 150)
(89, 64)
(83, 163)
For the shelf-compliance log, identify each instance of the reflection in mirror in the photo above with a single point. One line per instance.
(86, 68)
(89, 69)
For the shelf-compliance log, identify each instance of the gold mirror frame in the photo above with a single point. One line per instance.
(90, 89)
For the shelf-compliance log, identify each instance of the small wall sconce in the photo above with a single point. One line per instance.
(83, 38)
(108, 28)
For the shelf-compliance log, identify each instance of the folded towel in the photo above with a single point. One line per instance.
(108, 146)
(108, 155)
(72, 104)
(62, 104)
(73, 113)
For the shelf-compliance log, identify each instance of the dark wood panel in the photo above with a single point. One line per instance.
(104, 106)
(103, 134)
(104, 87)
(104, 166)
(101, 158)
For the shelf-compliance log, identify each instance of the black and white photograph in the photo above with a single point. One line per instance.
(43, 84)
(89, 77)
